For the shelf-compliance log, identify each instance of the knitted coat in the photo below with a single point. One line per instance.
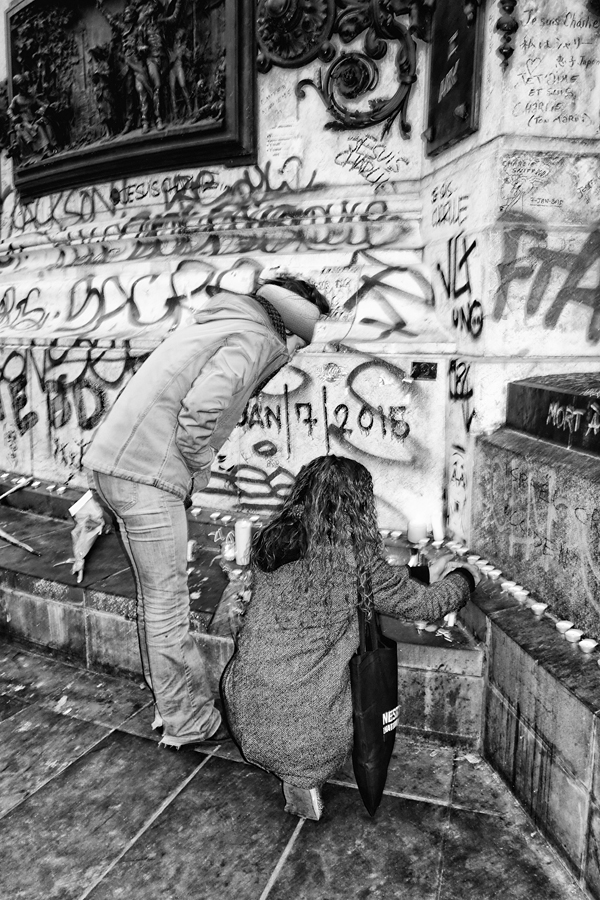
(287, 687)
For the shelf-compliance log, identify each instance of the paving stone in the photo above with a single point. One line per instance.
(111, 824)
(10, 706)
(487, 857)
(476, 786)
(25, 526)
(38, 575)
(592, 858)
(418, 768)
(35, 744)
(421, 768)
(69, 832)
(394, 856)
(91, 696)
(220, 838)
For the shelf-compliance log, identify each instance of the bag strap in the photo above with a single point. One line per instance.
(368, 630)
(362, 629)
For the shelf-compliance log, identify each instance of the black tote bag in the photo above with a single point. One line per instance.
(374, 683)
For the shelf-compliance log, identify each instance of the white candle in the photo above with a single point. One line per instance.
(192, 547)
(416, 531)
(243, 539)
(438, 528)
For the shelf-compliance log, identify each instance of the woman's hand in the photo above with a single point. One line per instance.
(458, 564)
(445, 564)
(437, 569)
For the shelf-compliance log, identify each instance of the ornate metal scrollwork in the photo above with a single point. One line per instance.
(292, 33)
(507, 24)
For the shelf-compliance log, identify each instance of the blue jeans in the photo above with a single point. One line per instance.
(153, 526)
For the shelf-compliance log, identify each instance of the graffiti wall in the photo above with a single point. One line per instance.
(540, 518)
(447, 277)
(53, 398)
(516, 283)
(91, 283)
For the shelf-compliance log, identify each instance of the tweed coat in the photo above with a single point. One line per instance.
(286, 689)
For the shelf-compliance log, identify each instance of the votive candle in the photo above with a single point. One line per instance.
(417, 531)
(243, 540)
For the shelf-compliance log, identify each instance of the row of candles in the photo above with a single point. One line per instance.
(418, 548)
(235, 542)
(422, 551)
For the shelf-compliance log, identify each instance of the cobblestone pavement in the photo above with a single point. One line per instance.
(91, 807)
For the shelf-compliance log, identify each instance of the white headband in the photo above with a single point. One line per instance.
(299, 315)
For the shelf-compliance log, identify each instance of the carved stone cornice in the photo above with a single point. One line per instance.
(293, 33)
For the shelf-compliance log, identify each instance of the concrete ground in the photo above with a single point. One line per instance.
(91, 807)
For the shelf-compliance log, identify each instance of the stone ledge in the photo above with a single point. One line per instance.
(535, 513)
(440, 684)
(541, 725)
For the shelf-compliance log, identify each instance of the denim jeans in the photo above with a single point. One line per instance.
(153, 527)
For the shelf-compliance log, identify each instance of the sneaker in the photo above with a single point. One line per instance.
(157, 722)
(304, 802)
(220, 735)
(185, 740)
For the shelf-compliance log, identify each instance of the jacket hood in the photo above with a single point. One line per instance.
(235, 307)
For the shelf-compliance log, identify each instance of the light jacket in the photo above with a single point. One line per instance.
(185, 400)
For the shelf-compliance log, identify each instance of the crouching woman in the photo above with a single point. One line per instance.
(286, 690)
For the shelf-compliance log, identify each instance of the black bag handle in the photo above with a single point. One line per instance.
(368, 629)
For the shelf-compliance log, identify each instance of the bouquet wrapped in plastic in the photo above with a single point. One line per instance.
(90, 522)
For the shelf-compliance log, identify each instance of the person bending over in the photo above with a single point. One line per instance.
(156, 447)
(286, 690)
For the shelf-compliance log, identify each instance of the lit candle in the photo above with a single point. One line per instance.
(437, 526)
(417, 531)
(243, 540)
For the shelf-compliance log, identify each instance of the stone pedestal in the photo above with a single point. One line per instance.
(564, 409)
(536, 515)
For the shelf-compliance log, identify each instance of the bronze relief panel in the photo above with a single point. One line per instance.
(111, 88)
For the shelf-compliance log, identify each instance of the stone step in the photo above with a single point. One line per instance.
(93, 623)
(440, 681)
(564, 409)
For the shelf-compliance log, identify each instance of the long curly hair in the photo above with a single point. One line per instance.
(330, 507)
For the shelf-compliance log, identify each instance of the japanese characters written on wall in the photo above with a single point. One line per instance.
(557, 69)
